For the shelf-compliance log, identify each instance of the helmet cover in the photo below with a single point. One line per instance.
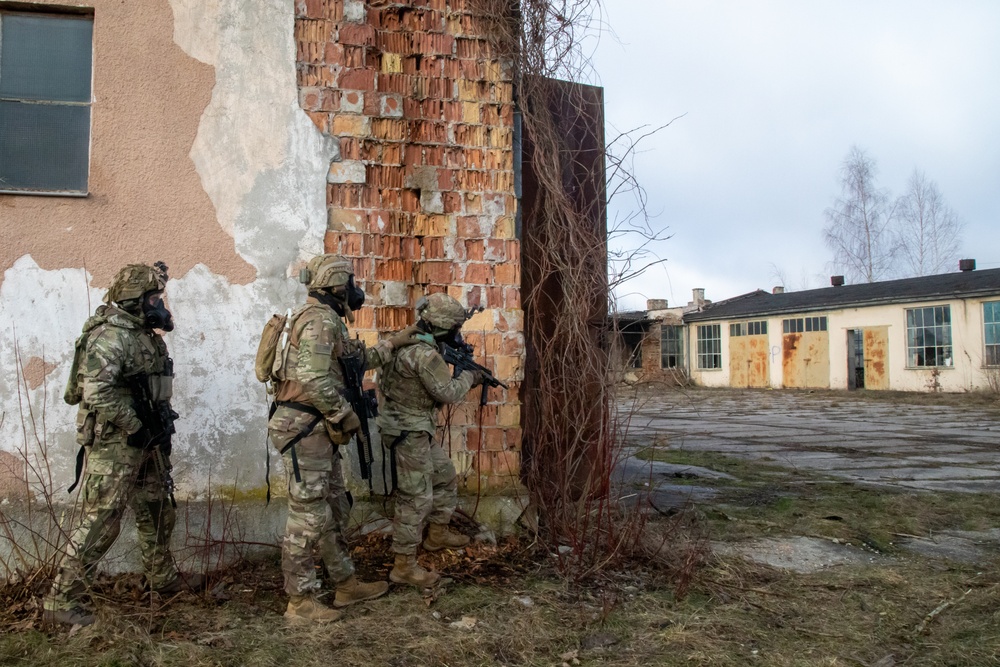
(441, 311)
(328, 271)
(135, 280)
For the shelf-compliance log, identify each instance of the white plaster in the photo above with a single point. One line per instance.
(253, 127)
(354, 11)
(41, 314)
(349, 171)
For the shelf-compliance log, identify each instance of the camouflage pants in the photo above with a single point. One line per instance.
(117, 475)
(317, 505)
(426, 491)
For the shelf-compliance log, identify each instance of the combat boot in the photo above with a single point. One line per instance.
(308, 608)
(351, 590)
(406, 570)
(188, 583)
(441, 536)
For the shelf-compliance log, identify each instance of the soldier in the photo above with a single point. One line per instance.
(122, 378)
(309, 391)
(414, 385)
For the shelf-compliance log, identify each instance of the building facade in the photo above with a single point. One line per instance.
(233, 140)
(932, 333)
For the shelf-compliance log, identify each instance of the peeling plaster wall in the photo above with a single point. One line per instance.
(231, 195)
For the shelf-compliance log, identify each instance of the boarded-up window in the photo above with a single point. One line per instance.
(928, 337)
(991, 319)
(45, 81)
(709, 346)
(671, 346)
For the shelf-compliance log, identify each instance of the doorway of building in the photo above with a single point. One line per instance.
(855, 359)
(867, 358)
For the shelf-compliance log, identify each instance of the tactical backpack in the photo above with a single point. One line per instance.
(272, 352)
(74, 392)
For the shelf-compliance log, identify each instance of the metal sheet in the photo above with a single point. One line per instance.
(748, 361)
(877, 358)
(805, 360)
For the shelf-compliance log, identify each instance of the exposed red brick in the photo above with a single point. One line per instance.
(494, 297)
(433, 247)
(507, 274)
(360, 34)
(478, 273)
(357, 79)
(435, 272)
(452, 202)
(394, 269)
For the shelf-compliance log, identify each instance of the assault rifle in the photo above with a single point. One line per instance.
(157, 419)
(461, 358)
(363, 402)
(156, 416)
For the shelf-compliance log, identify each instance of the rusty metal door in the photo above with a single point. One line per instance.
(877, 358)
(805, 360)
(748, 361)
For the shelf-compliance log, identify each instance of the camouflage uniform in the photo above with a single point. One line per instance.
(317, 505)
(118, 346)
(413, 386)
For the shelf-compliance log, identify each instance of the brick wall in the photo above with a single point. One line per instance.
(423, 197)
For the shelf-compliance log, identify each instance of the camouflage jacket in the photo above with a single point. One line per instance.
(116, 350)
(311, 371)
(414, 385)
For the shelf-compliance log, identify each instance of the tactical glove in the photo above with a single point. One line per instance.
(477, 377)
(404, 337)
(350, 423)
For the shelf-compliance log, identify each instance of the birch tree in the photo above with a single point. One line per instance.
(929, 232)
(858, 229)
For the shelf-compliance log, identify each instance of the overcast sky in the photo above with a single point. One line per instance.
(773, 95)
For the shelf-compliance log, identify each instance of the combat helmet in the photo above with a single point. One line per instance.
(441, 311)
(327, 271)
(135, 280)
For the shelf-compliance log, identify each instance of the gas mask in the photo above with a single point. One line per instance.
(344, 301)
(155, 312)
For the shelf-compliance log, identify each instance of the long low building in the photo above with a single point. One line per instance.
(932, 333)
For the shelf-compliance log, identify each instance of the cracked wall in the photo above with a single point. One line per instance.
(203, 158)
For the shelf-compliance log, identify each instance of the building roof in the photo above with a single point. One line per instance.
(907, 290)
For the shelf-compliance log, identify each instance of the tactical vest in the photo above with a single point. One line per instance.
(401, 385)
(288, 387)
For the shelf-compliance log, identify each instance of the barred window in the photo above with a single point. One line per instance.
(756, 328)
(991, 321)
(928, 337)
(803, 324)
(45, 95)
(710, 346)
(671, 346)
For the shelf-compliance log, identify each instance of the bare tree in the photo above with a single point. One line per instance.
(859, 223)
(929, 231)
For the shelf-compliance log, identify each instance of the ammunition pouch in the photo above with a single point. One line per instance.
(86, 423)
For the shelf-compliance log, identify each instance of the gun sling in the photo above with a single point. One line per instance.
(392, 462)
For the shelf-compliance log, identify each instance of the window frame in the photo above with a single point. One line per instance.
(947, 351)
(748, 328)
(994, 327)
(677, 354)
(56, 12)
(814, 324)
(705, 342)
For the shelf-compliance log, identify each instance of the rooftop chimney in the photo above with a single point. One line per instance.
(837, 281)
(778, 289)
(966, 265)
(698, 295)
(656, 304)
